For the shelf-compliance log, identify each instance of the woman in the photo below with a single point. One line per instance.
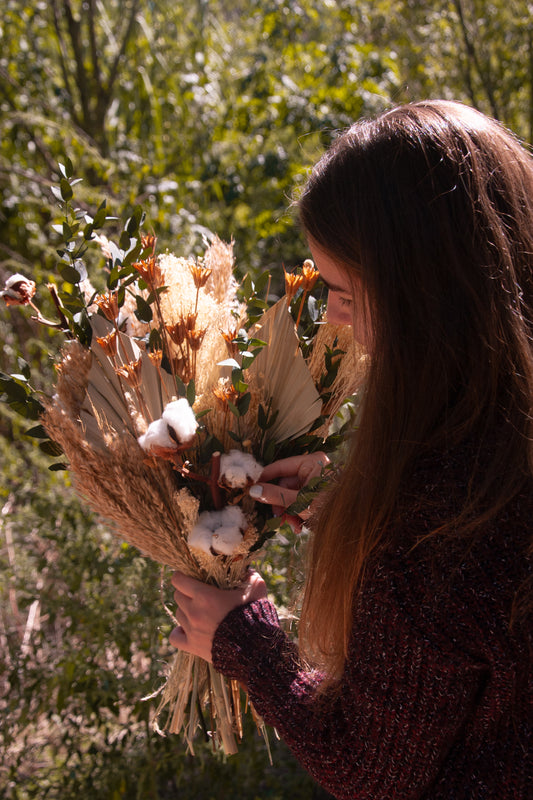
(417, 607)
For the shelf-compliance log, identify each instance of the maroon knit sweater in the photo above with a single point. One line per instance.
(436, 699)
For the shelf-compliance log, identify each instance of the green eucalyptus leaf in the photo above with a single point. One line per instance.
(248, 359)
(66, 190)
(70, 275)
(154, 340)
(143, 312)
(124, 241)
(233, 408)
(243, 403)
(191, 393)
(100, 216)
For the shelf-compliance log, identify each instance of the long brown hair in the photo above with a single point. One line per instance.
(431, 205)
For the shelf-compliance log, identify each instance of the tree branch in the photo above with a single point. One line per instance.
(484, 77)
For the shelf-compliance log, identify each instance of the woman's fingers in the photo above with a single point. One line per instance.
(302, 467)
(201, 609)
(273, 495)
(292, 474)
(178, 638)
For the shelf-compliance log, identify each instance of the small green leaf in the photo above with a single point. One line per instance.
(57, 467)
(133, 253)
(262, 282)
(237, 380)
(124, 241)
(248, 359)
(88, 232)
(66, 169)
(24, 367)
(143, 312)
(66, 190)
(154, 340)
(132, 225)
(100, 216)
(243, 403)
(191, 393)
(70, 275)
(37, 432)
(50, 448)
(234, 410)
(14, 391)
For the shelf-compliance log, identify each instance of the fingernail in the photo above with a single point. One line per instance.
(255, 491)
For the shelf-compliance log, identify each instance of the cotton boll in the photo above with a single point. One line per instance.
(226, 540)
(180, 416)
(156, 436)
(220, 530)
(238, 469)
(200, 537)
(233, 516)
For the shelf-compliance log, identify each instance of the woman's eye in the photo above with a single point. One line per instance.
(345, 301)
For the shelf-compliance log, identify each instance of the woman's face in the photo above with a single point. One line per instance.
(347, 304)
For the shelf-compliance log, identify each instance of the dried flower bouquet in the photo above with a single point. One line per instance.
(171, 393)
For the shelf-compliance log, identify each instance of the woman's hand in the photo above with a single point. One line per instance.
(291, 474)
(201, 609)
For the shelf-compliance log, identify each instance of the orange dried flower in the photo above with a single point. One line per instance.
(195, 338)
(156, 356)
(190, 321)
(131, 373)
(229, 337)
(108, 343)
(149, 270)
(226, 393)
(293, 282)
(148, 241)
(182, 367)
(108, 305)
(177, 332)
(200, 274)
(310, 275)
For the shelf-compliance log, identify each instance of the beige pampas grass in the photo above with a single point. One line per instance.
(215, 306)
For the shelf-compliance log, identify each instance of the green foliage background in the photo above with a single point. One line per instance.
(208, 113)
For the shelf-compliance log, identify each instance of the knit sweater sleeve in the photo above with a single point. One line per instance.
(402, 702)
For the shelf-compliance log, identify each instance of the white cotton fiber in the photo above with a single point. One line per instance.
(226, 540)
(180, 416)
(220, 530)
(237, 469)
(157, 435)
(200, 537)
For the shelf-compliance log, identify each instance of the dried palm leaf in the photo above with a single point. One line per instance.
(282, 377)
